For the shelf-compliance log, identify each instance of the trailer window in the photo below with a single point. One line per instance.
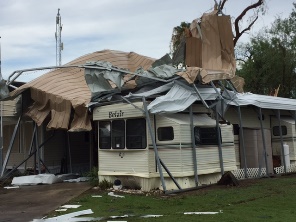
(118, 134)
(276, 130)
(165, 133)
(105, 134)
(205, 136)
(136, 134)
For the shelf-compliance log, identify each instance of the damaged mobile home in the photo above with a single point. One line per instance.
(151, 125)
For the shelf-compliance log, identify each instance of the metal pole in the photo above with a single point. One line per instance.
(38, 152)
(193, 147)
(15, 168)
(264, 143)
(199, 95)
(1, 121)
(169, 173)
(241, 131)
(31, 144)
(1, 135)
(278, 114)
(242, 141)
(154, 144)
(219, 141)
(69, 150)
(10, 146)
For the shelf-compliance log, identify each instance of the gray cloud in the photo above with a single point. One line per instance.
(27, 27)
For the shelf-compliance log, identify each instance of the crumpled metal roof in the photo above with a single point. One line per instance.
(61, 90)
(262, 101)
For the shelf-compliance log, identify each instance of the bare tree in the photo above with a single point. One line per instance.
(239, 31)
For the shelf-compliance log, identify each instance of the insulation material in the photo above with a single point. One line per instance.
(193, 49)
(35, 179)
(211, 47)
(58, 92)
(238, 83)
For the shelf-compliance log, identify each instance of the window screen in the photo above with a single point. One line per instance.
(165, 133)
(276, 130)
(206, 136)
(105, 135)
(136, 134)
(118, 134)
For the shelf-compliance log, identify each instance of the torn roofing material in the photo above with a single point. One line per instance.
(262, 101)
(58, 92)
(209, 49)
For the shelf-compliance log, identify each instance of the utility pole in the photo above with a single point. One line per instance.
(58, 36)
(1, 119)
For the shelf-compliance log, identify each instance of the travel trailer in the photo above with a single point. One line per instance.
(125, 147)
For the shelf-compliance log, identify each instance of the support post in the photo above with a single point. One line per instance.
(278, 114)
(219, 141)
(264, 142)
(69, 150)
(38, 151)
(1, 127)
(242, 140)
(33, 153)
(241, 131)
(10, 146)
(193, 147)
(31, 144)
(154, 144)
(200, 97)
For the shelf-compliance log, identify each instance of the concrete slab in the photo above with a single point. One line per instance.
(34, 202)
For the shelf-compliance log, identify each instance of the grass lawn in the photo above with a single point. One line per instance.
(268, 199)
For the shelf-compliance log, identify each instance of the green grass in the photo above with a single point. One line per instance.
(271, 199)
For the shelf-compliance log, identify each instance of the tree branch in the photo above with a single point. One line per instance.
(239, 18)
(222, 4)
(239, 34)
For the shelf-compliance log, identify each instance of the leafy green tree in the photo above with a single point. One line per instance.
(269, 60)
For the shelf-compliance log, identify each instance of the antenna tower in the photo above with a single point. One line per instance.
(58, 36)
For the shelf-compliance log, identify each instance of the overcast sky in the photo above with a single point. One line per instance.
(27, 27)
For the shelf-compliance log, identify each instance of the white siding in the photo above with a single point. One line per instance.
(123, 162)
(289, 139)
(249, 117)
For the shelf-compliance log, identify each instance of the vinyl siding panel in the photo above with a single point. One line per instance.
(249, 117)
(123, 162)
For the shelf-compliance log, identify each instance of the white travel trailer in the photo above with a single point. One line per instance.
(125, 147)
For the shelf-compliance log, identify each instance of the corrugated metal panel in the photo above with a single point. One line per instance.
(122, 162)
(266, 102)
(118, 111)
